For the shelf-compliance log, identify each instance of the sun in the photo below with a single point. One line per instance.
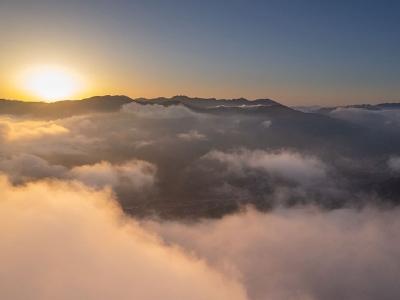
(51, 83)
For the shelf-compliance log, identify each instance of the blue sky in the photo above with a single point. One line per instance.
(298, 52)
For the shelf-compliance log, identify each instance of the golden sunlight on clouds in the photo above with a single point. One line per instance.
(65, 241)
(28, 130)
(50, 83)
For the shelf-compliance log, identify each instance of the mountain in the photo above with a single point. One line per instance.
(215, 106)
(63, 108)
(369, 107)
(114, 103)
(284, 117)
(209, 102)
(292, 122)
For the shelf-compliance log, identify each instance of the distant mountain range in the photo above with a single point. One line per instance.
(292, 122)
(103, 104)
(374, 107)
(64, 108)
(110, 103)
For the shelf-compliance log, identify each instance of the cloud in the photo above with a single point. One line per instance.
(26, 167)
(134, 175)
(137, 174)
(321, 164)
(15, 130)
(284, 164)
(394, 163)
(301, 253)
(192, 135)
(381, 117)
(158, 111)
(45, 138)
(64, 241)
(266, 123)
(68, 240)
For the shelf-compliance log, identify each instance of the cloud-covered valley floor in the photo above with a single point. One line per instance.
(113, 198)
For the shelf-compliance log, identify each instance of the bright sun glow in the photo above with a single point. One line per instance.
(51, 83)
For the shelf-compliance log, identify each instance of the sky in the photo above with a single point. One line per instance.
(296, 52)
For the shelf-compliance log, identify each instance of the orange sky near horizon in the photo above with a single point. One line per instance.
(293, 52)
(98, 82)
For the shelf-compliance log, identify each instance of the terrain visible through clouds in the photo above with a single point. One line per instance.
(204, 198)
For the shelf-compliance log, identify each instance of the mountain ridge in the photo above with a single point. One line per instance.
(372, 107)
(112, 103)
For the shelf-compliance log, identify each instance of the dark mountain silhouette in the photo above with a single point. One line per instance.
(291, 121)
(63, 108)
(240, 106)
(114, 103)
(108, 103)
(285, 118)
(374, 107)
(209, 102)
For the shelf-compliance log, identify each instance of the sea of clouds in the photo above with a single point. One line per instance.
(156, 202)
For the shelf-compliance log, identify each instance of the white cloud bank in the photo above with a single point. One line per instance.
(156, 111)
(284, 164)
(385, 117)
(300, 253)
(137, 175)
(15, 130)
(63, 241)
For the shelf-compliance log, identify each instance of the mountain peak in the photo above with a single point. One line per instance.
(112, 103)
